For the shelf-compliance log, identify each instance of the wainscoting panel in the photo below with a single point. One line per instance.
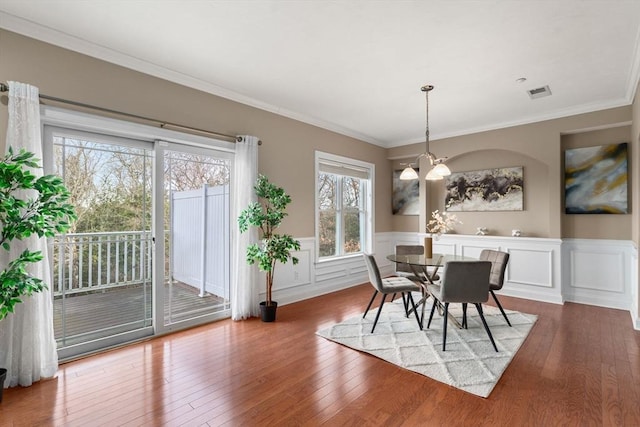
(289, 275)
(534, 267)
(530, 267)
(386, 244)
(595, 272)
(310, 278)
(473, 250)
(598, 272)
(442, 247)
(635, 298)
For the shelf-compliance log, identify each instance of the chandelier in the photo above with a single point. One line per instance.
(439, 169)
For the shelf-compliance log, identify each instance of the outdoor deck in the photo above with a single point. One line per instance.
(100, 313)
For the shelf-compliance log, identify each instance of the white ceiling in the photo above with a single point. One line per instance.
(356, 67)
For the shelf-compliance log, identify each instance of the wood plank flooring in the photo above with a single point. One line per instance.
(580, 366)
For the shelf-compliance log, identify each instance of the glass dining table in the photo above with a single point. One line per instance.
(425, 270)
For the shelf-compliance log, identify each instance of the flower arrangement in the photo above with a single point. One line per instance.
(441, 222)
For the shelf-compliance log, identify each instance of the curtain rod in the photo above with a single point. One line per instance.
(163, 124)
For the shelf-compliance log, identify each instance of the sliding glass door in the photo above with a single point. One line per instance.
(150, 251)
(195, 197)
(102, 276)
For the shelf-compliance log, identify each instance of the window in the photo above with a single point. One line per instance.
(344, 200)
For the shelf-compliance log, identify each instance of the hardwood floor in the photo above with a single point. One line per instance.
(580, 366)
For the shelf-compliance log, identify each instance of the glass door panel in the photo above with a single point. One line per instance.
(102, 275)
(196, 238)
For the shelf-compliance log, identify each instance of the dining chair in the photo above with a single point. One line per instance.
(389, 285)
(405, 270)
(419, 274)
(462, 282)
(499, 262)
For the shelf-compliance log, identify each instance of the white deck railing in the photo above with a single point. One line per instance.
(90, 261)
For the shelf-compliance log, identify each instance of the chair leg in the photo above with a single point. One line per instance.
(500, 307)
(433, 309)
(425, 297)
(444, 325)
(375, 322)
(486, 327)
(375, 292)
(464, 315)
(415, 310)
(393, 297)
(405, 303)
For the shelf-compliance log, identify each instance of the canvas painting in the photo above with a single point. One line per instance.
(406, 194)
(595, 180)
(499, 189)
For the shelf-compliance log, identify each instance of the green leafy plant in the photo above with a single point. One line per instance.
(28, 206)
(267, 214)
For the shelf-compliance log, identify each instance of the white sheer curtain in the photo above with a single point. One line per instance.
(244, 291)
(27, 341)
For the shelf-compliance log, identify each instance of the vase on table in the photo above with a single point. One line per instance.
(428, 247)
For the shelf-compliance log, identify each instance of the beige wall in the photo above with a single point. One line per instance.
(537, 147)
(287, 153)
(634, 154)
(288, 150)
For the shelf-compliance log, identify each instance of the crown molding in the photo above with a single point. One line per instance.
(67, 41)
(58, 38)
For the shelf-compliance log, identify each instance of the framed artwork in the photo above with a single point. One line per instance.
(595, 180)
(499, 189)
(406, 195)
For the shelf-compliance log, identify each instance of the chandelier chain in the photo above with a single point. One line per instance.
(426, 89)
(426, 132)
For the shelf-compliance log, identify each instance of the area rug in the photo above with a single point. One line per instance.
(470, 362)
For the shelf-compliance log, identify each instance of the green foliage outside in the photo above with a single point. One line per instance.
(111, 189)
(333, 210)
(267, 214)
(44, 212)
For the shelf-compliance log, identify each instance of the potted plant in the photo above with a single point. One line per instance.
(28, 206)
(267, 215)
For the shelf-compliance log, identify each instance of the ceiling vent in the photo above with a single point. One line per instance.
(539, 92)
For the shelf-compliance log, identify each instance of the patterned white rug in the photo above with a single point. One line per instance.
(470, 362)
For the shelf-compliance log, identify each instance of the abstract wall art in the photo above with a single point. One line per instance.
(499, 189)
(406, 194)
(595, 180)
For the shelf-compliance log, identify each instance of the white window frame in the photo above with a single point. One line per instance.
(346, 166)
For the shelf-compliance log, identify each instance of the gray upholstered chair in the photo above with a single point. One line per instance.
(424, 275)
(386, 286)
(499, 262)
(463, 282)
(405, 270)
